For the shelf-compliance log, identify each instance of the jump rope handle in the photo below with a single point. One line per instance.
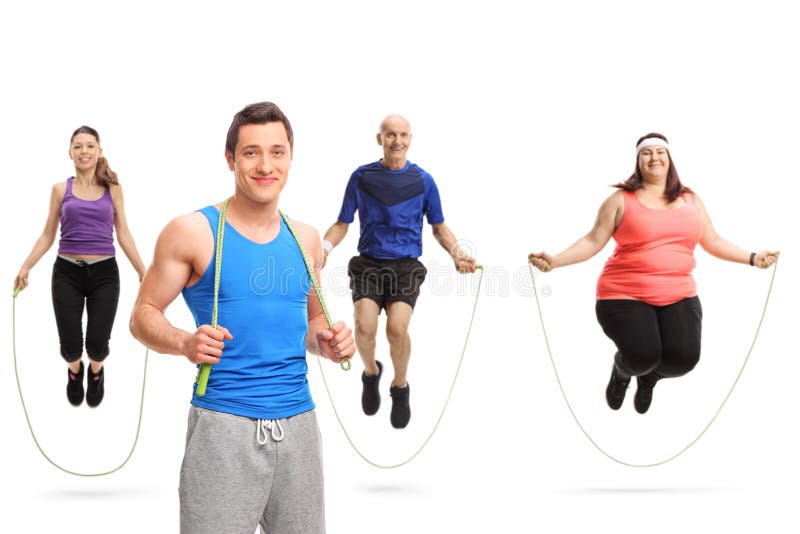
(16, 291)
(532, 255)
(202, 379)
(764, 264)
(344, 363)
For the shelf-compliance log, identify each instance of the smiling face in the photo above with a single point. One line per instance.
(261, 161)
(84, 151)
(395, 138)
(654, 162)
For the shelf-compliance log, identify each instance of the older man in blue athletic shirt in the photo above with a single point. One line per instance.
(391, 196)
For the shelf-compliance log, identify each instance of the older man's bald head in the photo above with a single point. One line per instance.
(395, 120)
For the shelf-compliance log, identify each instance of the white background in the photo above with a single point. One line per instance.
(524, 116)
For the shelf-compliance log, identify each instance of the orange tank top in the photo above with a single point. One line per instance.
(654, 257)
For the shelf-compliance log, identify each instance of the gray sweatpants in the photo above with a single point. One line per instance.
(230, 482)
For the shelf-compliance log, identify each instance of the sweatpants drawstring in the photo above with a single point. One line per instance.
(271, 425)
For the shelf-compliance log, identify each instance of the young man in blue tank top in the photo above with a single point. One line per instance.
(253, 452)
(391, 196)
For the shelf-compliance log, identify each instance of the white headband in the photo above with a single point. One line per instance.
(652, 141)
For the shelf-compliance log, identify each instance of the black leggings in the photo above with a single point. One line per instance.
(659, 341)
(96, 284)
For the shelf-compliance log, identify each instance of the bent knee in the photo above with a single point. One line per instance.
(396, 333)
(679, 363)
(71, 357)
(97, 354)
(638, 362)
(366, 329)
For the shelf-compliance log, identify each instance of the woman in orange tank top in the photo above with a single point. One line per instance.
(646, 296)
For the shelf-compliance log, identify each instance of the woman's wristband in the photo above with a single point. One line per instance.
(328, 246)
(752, 259)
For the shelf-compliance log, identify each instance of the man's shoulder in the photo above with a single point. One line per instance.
(295, 223)
(186, 226)
(422, 172)
(186, 238)
(303, 229)
(307, 235)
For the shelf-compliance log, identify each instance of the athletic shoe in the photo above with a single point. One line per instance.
(401, 411)
(94, 387)
(644, 392)
(370, 395)
(615, 391)
(75, 386)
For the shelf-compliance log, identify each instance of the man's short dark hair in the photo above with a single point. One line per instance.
(258, 113)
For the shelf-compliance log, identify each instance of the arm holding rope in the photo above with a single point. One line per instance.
(176, 254)
(45, 240)
(325, 338)
(721, 248)
(448, 241)
(608, 217)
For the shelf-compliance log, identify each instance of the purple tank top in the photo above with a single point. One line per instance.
(87, 226)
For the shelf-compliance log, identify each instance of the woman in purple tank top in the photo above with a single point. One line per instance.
(88, 207)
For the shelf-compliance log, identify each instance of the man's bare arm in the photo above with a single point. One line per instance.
(180, 246)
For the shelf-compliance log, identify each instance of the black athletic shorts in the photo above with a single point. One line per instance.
(385, 281)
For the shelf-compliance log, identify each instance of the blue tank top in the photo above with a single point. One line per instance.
(263, 297)
(87, 226)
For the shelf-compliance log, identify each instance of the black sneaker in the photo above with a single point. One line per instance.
(615, 391)
(401, 411)
(644, 392)
(94, 387)
(370, 395)
(75, 386)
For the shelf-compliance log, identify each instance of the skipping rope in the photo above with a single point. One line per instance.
(318, 291)
(28, 419)
(702, 432)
